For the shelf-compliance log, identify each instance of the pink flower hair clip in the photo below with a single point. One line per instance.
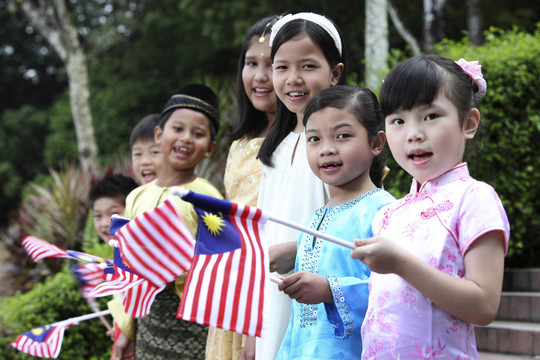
(474, 70)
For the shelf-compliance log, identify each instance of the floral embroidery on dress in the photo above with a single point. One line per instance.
(421, 195)
(407, 297)
(432, 210)
(454, 324)
(382, 300)
(424, 194)
(428, 352)
(386, 218)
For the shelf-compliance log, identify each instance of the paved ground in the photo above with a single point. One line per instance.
(490, 356)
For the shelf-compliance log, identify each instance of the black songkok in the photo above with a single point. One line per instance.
(195, 97)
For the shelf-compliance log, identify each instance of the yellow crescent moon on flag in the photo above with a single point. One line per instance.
(39, 330)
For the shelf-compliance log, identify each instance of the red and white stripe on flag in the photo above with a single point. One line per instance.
(122, 281)
(137, 293)
(138, 299)
(157, 244)
(227, 290)
(34, 343)
(39, 249)
(88, 276)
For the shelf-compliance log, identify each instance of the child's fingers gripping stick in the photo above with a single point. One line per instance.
(276, 280)
(359, 252)
(289, 284)
(361, 242)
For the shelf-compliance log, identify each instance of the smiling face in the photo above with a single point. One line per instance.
(146, 160)
(184, 140)
(429, 140)
(103, 209)
(257, 77)
(301, 71)
(339, 151)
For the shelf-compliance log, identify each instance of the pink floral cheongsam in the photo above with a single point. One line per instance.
(438, 223)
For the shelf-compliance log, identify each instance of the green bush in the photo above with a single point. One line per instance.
(506, 154)
(56, 299)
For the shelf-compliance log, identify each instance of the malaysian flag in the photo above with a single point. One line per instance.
(119, 278)
(226, 284)
(137, 293)
(39, 249)
(157, 244)
(84, 257)
(88, 276)
(44, 341)
(138, 299)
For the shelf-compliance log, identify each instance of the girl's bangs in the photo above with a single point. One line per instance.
(408, 86)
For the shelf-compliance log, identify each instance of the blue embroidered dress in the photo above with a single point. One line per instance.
(332, 331)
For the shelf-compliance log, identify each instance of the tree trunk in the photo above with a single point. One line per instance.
(52, 20)
(433, 23)
(80, 109)
(475, 22)
(376, 42)
(79, 95)
(402, 30)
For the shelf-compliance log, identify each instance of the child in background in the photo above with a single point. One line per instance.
(145, 152)
(438, 254)
(186, 134)
(308, 56)
(107, 198)
(344, 146)
(146, 162)
(255, 113)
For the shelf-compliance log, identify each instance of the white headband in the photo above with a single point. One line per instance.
(314, 18)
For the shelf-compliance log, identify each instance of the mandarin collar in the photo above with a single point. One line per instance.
(458, 172)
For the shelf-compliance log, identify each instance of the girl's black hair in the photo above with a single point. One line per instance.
(363, 105)
(285, 120)
(418, 80)
(249, 120)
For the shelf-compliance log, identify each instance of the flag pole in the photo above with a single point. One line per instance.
(78, 319)
(310, 231)
(93, 304)
(179, 191)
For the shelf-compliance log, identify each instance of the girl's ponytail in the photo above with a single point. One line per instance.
(378, 169)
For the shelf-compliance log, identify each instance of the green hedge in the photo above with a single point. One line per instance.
(56, 299)
(506, 156)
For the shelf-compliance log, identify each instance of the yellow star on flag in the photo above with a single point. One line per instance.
(213, 223)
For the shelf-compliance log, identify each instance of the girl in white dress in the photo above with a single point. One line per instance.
(307, 56)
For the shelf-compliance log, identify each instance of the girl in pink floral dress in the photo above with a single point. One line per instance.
(437, 255)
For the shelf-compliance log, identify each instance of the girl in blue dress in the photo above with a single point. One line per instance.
(330, 292)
